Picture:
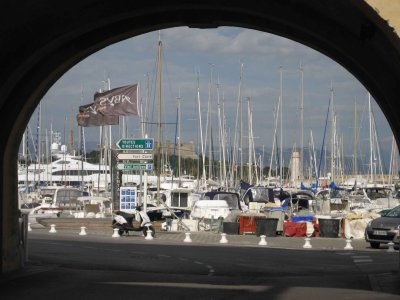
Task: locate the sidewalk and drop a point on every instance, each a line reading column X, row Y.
column 213, row 238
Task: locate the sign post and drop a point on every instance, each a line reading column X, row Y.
column 135, row 166
column 135, row 144
column 135, row 156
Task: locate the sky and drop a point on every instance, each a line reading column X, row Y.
column 213, row 57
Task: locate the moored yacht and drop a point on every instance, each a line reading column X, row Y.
column 68, row 170
column 65, row 169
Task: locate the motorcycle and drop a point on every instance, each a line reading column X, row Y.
column 124, row 222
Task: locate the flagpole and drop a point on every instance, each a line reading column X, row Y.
column 106, row 109
column 100, row 159
column 143, row 193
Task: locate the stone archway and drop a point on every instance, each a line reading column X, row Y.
column 41, row 41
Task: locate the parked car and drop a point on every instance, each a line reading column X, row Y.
column 384, row 229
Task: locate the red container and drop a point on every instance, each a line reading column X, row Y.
column 248, row 224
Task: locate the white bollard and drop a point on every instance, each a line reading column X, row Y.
column 83, row 231
column 148, row 235
column 262, row 242
column 29, row 227
column 53, row 228
column 391, row 247
column 115, row 234
column 348, row 245
column 307, row 244
column 187, row 238
column 223, row 239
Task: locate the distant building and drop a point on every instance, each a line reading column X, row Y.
column 186, row 150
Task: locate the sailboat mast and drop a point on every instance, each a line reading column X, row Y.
column 26, row 158
column 179, row 135
column 377, row 151
column 253, row 150
column 241, row 120
column 274, row 141
column 71, row 135
column 82, row 142
column 250, row 177
column 221, row 140
column 51, row 151
column 333, row 133
column 281, row 134
column 262, row 164
column 302, row 123
column 393, row 167
column 224, row 144
column 39, row 137
column 234, row 161
column 355, row 140
column 209, row 125
column 24, row 144
column 371, row 160
column 314, row 165
column 159, row 78
column 47, row 147
column 201, row 132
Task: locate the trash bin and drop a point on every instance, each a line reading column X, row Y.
column 329, row 227
column 278, row 213
column 266, row 226
column 230, row 227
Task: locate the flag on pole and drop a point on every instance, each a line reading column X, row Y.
column 121, row 101
column 89, row 117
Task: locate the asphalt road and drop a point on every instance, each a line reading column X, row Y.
column 65, row 265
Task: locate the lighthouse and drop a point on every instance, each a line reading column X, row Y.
column 295, row 168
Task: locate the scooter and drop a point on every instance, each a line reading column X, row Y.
column 124, row 222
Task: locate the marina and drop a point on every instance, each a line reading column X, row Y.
column 201, row 150
column 329, row 211
column 231, row 187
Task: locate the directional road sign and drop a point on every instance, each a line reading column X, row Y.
column 135, row 156
column 135, row 167
column 136, row 144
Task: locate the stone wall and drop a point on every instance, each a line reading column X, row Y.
column 389, row 10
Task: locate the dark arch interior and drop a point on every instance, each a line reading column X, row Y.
column 44, row 41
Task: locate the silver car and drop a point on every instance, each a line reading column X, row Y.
column 384, row 229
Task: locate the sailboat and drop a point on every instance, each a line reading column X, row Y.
column 374, row 195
